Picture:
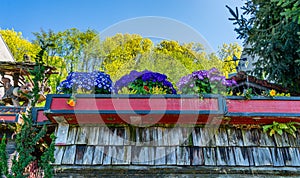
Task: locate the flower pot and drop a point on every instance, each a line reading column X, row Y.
column 11, row 114
column 262, row 110
column 134, row 109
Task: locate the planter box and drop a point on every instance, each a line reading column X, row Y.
column 10, row 114
column 134, row 109
column 38, row 116
column 262, row 110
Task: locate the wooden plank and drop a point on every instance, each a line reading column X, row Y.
column 69, row 155
column 58, row 154
column 241, row 155
column 121, row 155
column 93, row 135
column 173, row 136
column 160, row 136
column 292, row 140
column 209, row 156
column 225, row 156
column 80, row 149
column 183, row 156
column 186, row 133
column 171, row 155
column 165, row 138
column 61, row 131
column 160, row 156
column 250, row 154
column 282, row 140
column 204, row 137
column 104, row 135
column 143, row 155
column 113, row 154
column 117, row 136
column 125, row 104
column 197, row 156
column 277, row 157
column 197, row 141
column 221, row 137
column 145, row 134
column 262, row 156
column 297, row 140
column 127, row 136
column 208, row 134
column 251, row 137
column 291, row 156
column 98, row 155
column 107, row 155
column 235, row 137
column 266, row 140
column 82, row 135
column 154, row 136
column 88, row 155
column 71, row 135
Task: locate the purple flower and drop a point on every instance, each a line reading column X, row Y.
column 147, row 78
column 206, row 82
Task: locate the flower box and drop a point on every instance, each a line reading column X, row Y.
column 11, row 114
column 134, row 109
column 262, row 110
column 39, row 117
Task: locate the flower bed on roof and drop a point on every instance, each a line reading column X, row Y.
column 141, row 107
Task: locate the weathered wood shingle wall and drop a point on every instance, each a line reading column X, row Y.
column 90, row 146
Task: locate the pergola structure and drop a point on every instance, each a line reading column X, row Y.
column 17, row 74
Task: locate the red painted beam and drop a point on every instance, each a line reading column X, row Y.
column 121, row 104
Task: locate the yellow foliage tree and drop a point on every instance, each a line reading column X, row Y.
column 227, row 52
column 121, row 53
column 18, row 45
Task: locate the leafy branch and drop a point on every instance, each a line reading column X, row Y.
column 279, row 128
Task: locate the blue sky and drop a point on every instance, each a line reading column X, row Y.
column 209, row 18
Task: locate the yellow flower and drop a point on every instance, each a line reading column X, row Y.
column 71, row 102
column 272, row 93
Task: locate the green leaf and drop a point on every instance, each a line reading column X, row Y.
column 293, row 128
column 272, row 132
column 283, row 126
column 267, row 127
column 279, row 131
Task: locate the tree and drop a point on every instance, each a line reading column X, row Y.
column 122, row 52
column 28, row 135
column 71, row 51
column 18, row 45
column 69, row 45
column 291, row 9
column 227, row 53
column 271, row 29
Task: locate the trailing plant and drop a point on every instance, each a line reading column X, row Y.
column 273, row 93
column 248, row 93
column 279, row 128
